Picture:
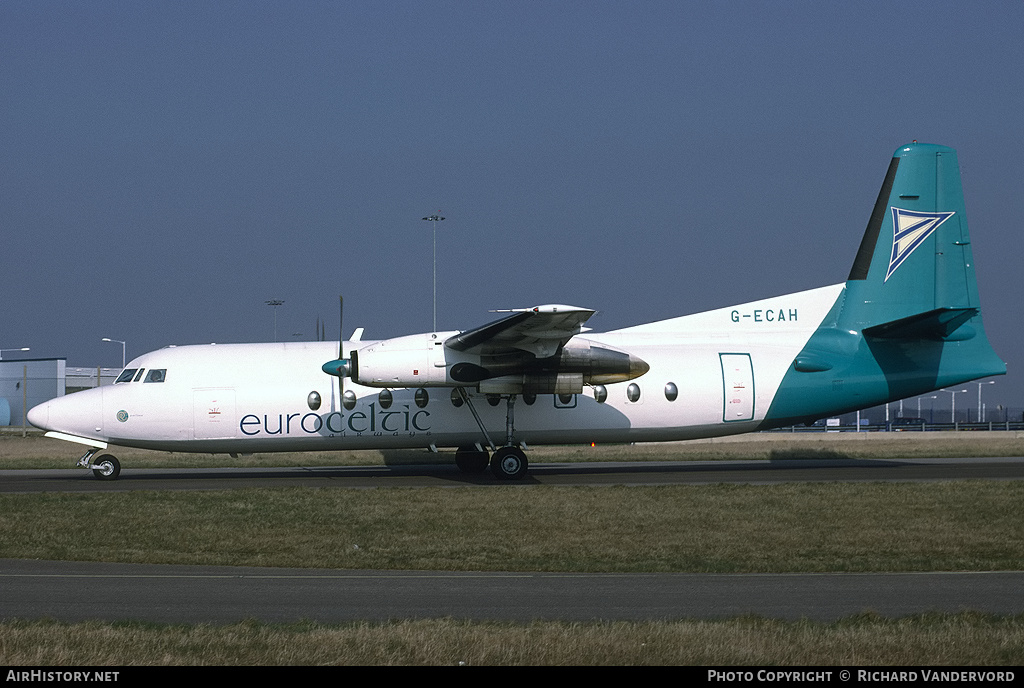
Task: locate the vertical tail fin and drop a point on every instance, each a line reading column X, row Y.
column 915, row 259
column 909, row 318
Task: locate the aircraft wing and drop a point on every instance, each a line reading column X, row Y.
column 541, row 330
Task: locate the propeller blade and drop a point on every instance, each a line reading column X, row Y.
column 341, row 367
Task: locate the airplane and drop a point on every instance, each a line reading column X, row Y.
column 906, row 321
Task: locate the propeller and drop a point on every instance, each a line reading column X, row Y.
column 342, row 367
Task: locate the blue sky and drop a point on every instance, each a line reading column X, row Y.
column 167, row 167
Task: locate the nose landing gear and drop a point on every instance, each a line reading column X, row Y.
column 106, row 467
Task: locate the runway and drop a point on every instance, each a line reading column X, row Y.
column 76, row 591
column 72, row 591
column 575, row 474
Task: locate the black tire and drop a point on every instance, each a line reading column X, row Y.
column 469, row 460
column 106, row 467
column 509, row 463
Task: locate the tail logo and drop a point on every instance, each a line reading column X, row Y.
column 910, row 229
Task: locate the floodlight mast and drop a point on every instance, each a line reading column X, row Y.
column 980, row 414
column 952, row 411
column 434, row 219
column 274, row 303
column 118, row 341
column 24, row 348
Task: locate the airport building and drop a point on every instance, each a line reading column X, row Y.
column 27, row 382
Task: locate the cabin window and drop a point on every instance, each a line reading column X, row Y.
column 421, row 397
column 600, row 394
column 313, row 401
column 633, row 392
column 126, row 375
column 456, row 398
column 671, row 391
column 348, row 400
column 385, row 398
column 529, row 398
column 157, row 375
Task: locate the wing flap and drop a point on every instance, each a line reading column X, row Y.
column 540, row 330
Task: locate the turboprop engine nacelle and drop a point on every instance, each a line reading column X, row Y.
column 422, row 360
column 417, row 360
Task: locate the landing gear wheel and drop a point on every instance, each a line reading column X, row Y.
column 509, row 463
column 106, row 467
column 470, row 460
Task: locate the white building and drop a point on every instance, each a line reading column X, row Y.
column 27, row 382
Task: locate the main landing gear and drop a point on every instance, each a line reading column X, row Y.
column 507, row 463
column 104, row 467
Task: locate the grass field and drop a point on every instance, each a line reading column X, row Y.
column 961, row 525
column 965, row 639
column 950, row 526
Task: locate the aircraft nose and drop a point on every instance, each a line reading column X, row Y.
column 77, row 414
column 39, row 415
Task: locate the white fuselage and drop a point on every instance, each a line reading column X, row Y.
column 711, row 374
column 906, row 321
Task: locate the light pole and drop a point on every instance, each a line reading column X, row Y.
column 953, row 410
column 24, row 348
column 990, row 382
column 117, row 341
column 275, row 303
column 433, row 220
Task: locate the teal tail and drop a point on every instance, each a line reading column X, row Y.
column 909, row 318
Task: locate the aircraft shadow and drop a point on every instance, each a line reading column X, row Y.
column 439, row 473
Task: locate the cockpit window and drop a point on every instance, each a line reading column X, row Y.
column 126, row 375
column 135, row 374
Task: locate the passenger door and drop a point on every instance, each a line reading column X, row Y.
column 738, row 387
column 213, row 414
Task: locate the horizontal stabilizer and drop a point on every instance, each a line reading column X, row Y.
column 941, row 323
